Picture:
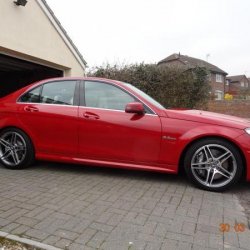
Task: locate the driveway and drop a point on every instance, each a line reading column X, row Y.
column 76, row 207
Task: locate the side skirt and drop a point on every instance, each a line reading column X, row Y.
column 158, row 168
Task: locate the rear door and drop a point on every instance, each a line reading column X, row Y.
column 50, row 112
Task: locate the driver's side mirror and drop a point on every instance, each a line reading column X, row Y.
column 135, row 107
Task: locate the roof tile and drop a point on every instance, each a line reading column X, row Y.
column 192, row 62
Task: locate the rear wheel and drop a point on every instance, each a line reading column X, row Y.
column 213, row 164
column 16, row 149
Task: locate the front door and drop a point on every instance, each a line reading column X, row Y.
column 107, row 132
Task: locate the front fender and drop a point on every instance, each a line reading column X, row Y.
column 177, row 135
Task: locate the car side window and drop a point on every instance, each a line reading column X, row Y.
column 59, row 92
column 107, row 96
column 32, row 96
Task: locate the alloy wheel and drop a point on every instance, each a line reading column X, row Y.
column 13, row 148
column 213, row 165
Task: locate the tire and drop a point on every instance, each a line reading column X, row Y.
column 213, row 164
column 16, row 149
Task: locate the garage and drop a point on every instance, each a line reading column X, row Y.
column 34, row 50
column 16, row 73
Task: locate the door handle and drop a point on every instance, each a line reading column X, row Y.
column 89, row 115
column 30, row 109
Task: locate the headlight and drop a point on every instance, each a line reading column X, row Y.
column 247, row 130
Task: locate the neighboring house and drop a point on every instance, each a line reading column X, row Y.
column 217, row 77
column 34, row 45
column 236, row 84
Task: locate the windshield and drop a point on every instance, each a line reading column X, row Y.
column 145, row 96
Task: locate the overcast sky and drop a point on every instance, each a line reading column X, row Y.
column 130, row 31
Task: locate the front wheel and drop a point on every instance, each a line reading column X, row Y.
column 16, row 149
column 213, row 164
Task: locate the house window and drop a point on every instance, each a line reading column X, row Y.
column 242, row 84
column 218, row 95
column 227, row 82
column 219, row 78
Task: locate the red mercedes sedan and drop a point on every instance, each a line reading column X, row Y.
column 103, row 122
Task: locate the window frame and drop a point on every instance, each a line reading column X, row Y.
column 219, row 92
column 28, row 91
column 148, row 110
column 219, row 78
column 76, row 97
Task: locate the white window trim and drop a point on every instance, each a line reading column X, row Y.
column 217, row 96
column 219, row 78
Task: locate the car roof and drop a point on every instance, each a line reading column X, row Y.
column 82, row 78
column 47, row 80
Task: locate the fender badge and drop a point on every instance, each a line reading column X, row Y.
column 169, row 138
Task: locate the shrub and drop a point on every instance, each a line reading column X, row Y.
column 228, row 97
column 172, row 87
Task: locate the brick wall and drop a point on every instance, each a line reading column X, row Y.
column 217, row 85
column 239, row 108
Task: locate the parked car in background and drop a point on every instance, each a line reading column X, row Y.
column 104, row 122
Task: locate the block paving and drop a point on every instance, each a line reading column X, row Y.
column 80, row 207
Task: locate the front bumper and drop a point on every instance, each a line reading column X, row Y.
column 243, row 142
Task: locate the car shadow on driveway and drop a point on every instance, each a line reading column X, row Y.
column 240, row 189
column 110, row 171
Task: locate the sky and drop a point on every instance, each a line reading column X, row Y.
column 134, row 31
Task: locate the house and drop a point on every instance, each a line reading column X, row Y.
column 236, row 84
column 34, row 45
column 217, row 77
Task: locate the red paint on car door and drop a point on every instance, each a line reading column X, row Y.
column 51, row 116
column 54, row 127
column 119, row 136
